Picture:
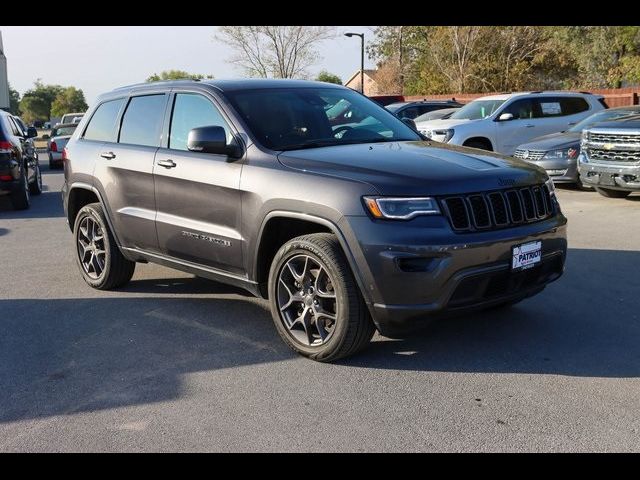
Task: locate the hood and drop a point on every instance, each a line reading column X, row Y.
column 416, row 168
column 442, row 123
column 631, row 121
column 552, row 141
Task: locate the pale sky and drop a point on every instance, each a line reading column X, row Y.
column 98, row 59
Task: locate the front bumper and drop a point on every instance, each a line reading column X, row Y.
column 561, row 170
column 419, row 270
column 615, row 177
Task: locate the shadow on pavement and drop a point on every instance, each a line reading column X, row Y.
column 62, row 356
column 46, row 205
column 3, row 231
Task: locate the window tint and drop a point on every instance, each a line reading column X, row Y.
column 191, row 110
column 142, row 121
column 411, row 112
column 14, row 127
column 102, row 123
column 521, row 109
column 573, row 105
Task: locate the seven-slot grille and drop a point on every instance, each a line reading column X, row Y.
column 529, row 154
column 628, row 138
column 498, row 209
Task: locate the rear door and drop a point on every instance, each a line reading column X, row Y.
column 197, row 194
column 125, row 170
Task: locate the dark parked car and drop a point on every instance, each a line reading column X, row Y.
column 412, row 110
column 558, row 153
column 344, row 230
column 19, row 173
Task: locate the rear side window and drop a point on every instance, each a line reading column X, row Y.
column 191, row 110
column 142, row 121
column 102, row 123
column 573, row 105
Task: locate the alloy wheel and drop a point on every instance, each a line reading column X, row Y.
column 307, row 300
column 91, row 248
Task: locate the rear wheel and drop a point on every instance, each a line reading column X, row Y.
column 315, row 303
column 99, row 259
column 609, row 193
column 20, row 198
column 35, row 187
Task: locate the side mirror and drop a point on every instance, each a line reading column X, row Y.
column 212, row 139
column 410, row 123
column 32, row 132
column 505, row 117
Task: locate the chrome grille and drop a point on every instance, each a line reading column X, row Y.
column 633, row 139
column 498, row 209
column 617, row 155
column 529, row 154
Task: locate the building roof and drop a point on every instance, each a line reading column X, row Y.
column 369, row 72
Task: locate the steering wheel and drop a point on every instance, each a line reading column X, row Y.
column 340, row 131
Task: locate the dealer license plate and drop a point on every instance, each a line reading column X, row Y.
column 526, row 255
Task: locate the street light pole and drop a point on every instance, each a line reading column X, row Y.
column 361, row 35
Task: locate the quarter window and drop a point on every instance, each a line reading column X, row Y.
column 191, row 110
column 573, row 105
column 102, row 123
column 142, row 121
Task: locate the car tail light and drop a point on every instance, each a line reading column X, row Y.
column 54, row 147
column 64, row 155
column 6, row 178
column 6, row 147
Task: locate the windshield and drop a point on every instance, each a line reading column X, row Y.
column 62, row 131
column 477, row 110
column 603, row 116
column 290, row 119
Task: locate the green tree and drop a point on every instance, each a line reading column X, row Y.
column 36, row 102
column 70, row 99
column 325, row 76
column 14, row 101
column 176, row 75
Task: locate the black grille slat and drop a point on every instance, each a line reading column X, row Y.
column 527, row 203
column 539, row 199
column 498, row 209
column 515, row 206
column 479, row 211
column 457, row 212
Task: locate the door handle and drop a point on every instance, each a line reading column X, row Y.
column 167, row 163
column 529, row 125
column 108, row 155
column 571, row 124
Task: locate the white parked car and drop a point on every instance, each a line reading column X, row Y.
column 502, row 122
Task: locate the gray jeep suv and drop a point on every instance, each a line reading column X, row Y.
column 345, row 228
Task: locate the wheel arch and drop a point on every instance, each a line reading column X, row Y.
column 479, row 138
column 81, row 194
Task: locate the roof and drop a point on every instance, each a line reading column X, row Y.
column 422, row 102
column 369, row 72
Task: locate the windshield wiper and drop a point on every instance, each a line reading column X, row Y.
column 313, row 144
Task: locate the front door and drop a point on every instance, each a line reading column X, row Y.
column 523, row 127
column 197, row 194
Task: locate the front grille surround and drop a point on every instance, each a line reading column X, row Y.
column 614, row 155
column 627, row 138
column 532, row 155
column 497, row 209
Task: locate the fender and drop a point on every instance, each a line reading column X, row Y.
column 332, row 227
column 86, row 186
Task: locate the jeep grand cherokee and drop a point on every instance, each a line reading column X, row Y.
column 344, row 228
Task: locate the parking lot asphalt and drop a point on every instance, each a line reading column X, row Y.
column 172, row 362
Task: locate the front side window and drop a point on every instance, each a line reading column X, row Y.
column 477, row 110
column 191, row 110
column 102, row 124
column 521, row 109
column 142, row 121
column 295, row 118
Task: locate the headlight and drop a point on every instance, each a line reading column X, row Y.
column 584, row 138
column 442, row 135
column 570, row 153
column 401, row 208
column 550, row 186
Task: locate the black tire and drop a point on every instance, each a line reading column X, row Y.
column 478, row 144
column 609, row 193
column 353, row 327
column 51, row 165
column 116, row 270
column 580, row 185
column 20, row 198
column 35, row 187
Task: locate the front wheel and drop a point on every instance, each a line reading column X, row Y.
column 99, row 259
column 609, row 193
column 315, row 303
